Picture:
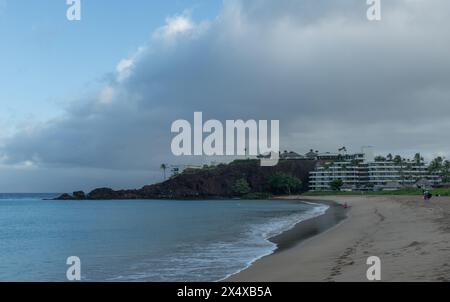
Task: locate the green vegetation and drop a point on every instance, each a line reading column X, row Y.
column 241, row 187
column 398, row 159
column 380, row 158
column 336, row 184
column 440, row 167
column 446, row 171
column 208, row 168
column 440, row 191
column 281, row 183
column 418, row 159
column 277, row 184
column 437, row 191
column 243, row 161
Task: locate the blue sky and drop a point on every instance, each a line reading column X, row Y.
column 47, row 61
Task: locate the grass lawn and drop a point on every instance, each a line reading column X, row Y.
column 442, row 192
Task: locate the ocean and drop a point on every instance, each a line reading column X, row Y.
column 139, row 240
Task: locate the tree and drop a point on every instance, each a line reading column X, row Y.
column 164, row 168
column 389, row 157
column 354, row 162
column 281, row 183
column 418, row 158
column 398, row 159
column 436, row 165
column 241, row 187
column 446, row 171
column 336, row 184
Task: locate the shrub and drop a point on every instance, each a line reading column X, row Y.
column 281, row 183
column 241, row 187
column 336, row 184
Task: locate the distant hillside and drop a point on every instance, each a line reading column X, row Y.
column 211, row 182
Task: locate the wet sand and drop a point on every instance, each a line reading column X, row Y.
column 311, row 227
column 411, row 238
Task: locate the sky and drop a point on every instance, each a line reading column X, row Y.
column 90, row 103
column 47, row 61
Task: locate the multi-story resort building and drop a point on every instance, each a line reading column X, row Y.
column 352, row 175
column 362, row 172
column 405, row 173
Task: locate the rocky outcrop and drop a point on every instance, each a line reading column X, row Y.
column 79, row 195
column 212, row 182
column 65, row 196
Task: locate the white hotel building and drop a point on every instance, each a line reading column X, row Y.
column 361, row 172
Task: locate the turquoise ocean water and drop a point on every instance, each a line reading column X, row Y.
column 139, row 240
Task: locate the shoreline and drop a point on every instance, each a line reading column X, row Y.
column 302, row 230
column 311, row 227
column 410, row 237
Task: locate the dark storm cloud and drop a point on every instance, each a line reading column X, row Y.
column 330, row 76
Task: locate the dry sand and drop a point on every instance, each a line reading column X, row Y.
column 411, row 238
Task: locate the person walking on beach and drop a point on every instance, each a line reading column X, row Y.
column 427, row 196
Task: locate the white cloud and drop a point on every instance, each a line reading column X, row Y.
column 124, row 69
column 106, row 95
column 331, row 77
column 175, row 26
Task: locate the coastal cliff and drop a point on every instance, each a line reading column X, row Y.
column 210, row 182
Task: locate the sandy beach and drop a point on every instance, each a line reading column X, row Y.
column 411, row 238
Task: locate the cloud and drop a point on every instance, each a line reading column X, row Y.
column 331, row 77
column 124, row 69
column 175, row 26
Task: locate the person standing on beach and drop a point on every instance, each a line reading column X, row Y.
column 427, row 196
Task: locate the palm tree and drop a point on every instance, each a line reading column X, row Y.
column 418, row 158
column 436, row 165
column 164, row 168
column 446, row 171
